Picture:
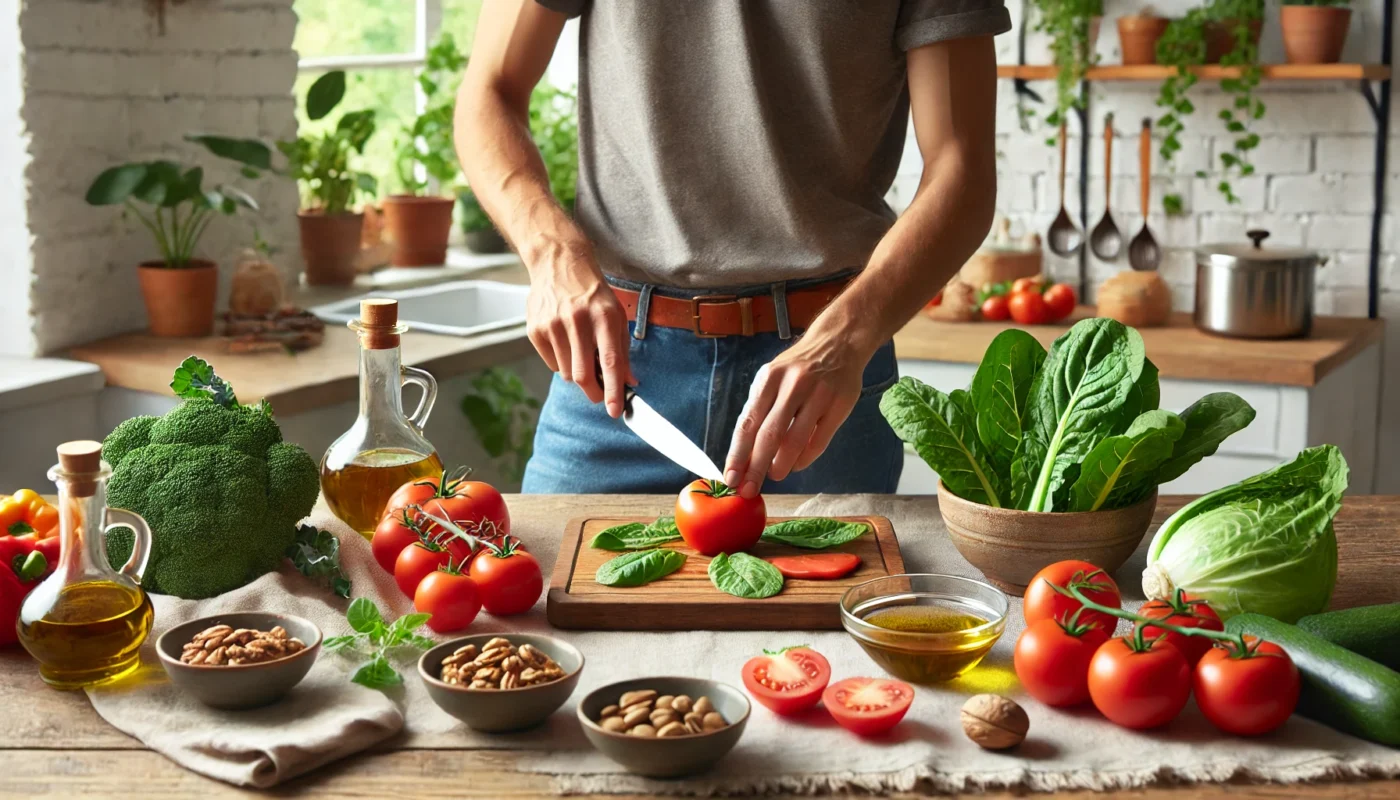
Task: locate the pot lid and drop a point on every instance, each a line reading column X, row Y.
column 1255, row 254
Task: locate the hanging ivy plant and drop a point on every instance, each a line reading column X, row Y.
column 1068, row 24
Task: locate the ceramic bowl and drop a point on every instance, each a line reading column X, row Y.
column 501, row 710
column 238, row 686
column 675, row 756
column 1010, row 546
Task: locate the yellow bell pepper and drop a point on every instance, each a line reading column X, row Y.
column 26, row 512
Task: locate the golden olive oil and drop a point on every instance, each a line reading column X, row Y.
column 91, row 633
column 358, row 491
column 964, row 642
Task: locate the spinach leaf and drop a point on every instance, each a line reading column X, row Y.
column 943, row 430
column 639, row 567
column 1025, row 468
column 1079, row 396
column 1000, row 390
column 1145, row 396
column 814, row 533
column 742, row 575
column 1209, row 421
column 637, row 536
column 1121, row 470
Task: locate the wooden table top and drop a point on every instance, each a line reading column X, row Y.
column 55, row 744
column 1178, row 349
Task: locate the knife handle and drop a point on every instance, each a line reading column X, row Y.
column 627, row 391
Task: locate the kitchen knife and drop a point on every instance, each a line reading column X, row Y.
column 666, row 438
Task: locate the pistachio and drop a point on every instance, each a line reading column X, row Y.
column 672, row 729
column 645, row 731
column 609, row 711
column 703, row 706
column 681, row 703
column 635, row 716
column 638, row 696
column 500, row 665
column 713, row 721
column 614, row 724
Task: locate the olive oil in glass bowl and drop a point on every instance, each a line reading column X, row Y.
column 925, row 628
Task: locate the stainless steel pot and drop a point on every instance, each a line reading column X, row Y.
column 1253, row 292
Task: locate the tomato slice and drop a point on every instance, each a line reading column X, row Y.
column 818, row 566
column 787, row 681
column 868, row 706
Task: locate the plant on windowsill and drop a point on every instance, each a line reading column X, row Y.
column 1073, row 27
column 554, row 126
column 170, row 200
column 1314, row 31
column 418, row 223
column 503, row 412
column 478, row 231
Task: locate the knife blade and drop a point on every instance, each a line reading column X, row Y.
column 666, row 438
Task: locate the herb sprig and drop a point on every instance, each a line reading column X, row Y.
column 378, row 637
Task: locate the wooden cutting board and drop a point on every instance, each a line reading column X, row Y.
column 686, row 600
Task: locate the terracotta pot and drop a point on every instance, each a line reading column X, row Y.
column 1220, row 38
column 1011, row 546
column 485, row 242
column 1314, row 34
column 180, row 302
column 1137, row 38
column 330, row 246
column 418, row 227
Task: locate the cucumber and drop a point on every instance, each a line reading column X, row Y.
column 1372, row 631
column 1341, row 689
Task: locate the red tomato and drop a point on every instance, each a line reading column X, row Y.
column 416, row 562
column 1043, row 602
column 450, row 597
column 509, row 578
column 817, row 566
column 1139, row 689
column 996, row 308
column 1247, row 694
column 472, row 503
column 787, row 681
column 1029, row 308
column 714, row 519
column 1034, row 284
column 868, row 706
column 1052, row 661
column 395, row 532
column 1182, row 612
column 936, row 301
column 1060, row 299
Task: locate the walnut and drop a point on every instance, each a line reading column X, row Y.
column 499, row 665
column 994, row 722
column 222, row 644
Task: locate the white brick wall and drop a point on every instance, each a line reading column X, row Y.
column 85, row 84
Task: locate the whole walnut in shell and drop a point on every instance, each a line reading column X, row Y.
column 994, row 722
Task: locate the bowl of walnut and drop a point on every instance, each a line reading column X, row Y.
column 239, row 660
column 497, row 683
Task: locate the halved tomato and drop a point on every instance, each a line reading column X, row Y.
column 787, row 681
column 868, row 706
column 817, row 566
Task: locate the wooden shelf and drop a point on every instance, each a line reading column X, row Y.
column 1158, row 72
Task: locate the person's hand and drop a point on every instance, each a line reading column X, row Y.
column 795, row 405
column 576, row 323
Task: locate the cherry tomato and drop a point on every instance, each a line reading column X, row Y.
column 1043, row 602
column 1052, row 661
column 1139, row 689
column 996, row 308
column 471, row 503
column 415, row 563
column 787, row 681
column 1029, row 308
column 450, row 597
column 1183, row 612
column 509, row 579
column 1247, row 694
column 1060, row 299
column 395, row 532
column 817, row 566
column 868, row 706
column 1034, row 284
column 714, row 519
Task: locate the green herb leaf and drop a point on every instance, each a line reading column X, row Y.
column 782, row 650
column 636, row 536
column 943, row 430
column 815, row 533
column 316, row 554
column 377, row 673
column 20, row 528
column 402, row 627
column 1209, row 421
column 743, row 575
column 1001, row 389
column 325, row 94
column 639, row 567
column 195, row 378
column 338, row 642
column 363, row 616
column 418, row 640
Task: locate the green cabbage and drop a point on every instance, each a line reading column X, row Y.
column 1264, row 545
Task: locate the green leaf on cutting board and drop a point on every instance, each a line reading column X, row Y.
column 639, row 567
column 814, row 533
column 743, row 575
column 637, row 536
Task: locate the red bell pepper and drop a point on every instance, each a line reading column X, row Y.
column 18, row 574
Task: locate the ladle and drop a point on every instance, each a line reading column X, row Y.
column 1065, row 237
column 1143, row 253
column 1105, row 240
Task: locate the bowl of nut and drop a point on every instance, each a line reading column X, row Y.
column 664, row 727
column 239, row 660
column 499, row 683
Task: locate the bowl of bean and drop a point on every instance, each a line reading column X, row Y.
column 664, row 727
column 499, row 683
column 239, row 660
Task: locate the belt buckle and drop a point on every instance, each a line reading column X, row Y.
column 695, row 303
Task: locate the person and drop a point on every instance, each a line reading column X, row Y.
column 734, row 156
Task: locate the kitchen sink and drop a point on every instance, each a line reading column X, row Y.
column 459, row 308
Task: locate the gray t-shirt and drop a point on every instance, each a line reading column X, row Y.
column 736, row 142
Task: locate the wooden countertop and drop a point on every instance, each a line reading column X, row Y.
column 1178, row 349
column 55, row 744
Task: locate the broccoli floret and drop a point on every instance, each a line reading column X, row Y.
column 134, row 433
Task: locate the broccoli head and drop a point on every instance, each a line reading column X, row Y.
column 220, row 489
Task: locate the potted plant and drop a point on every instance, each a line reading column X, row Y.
column 1073, row 27
column 178, row 288
column 1056, row 456
column 1314, row 31
column 418, row 223
column 478, row 231
column 554, row 127
column 1138, row 35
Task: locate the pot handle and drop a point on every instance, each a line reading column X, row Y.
column 1257, row 236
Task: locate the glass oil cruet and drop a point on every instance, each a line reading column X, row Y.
column 383, row 449
column 85, row 623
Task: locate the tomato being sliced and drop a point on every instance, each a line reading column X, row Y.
column 817, row 566
column 868, row 706
column 787, row 681
column 714, row 519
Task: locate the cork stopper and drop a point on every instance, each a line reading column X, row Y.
column 81, row 461
column 378, row 324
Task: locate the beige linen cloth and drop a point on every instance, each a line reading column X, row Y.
column 1065, row 749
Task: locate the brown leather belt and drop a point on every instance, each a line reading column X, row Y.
column 711, row 316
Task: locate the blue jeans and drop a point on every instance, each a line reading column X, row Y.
column 700, row 385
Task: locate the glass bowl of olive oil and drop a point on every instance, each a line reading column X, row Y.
column 925, row 628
